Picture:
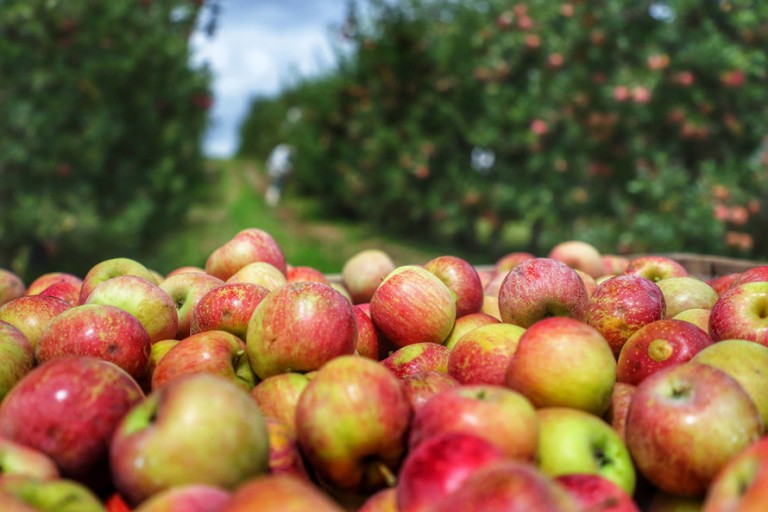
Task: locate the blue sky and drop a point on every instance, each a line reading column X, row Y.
column 258, row 47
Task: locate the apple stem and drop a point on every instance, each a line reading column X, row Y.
column 389, row 477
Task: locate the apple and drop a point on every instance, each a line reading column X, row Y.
column 364, row 271
column 299, row 327
column 539, row 288
column 508, row 486
column 697, row 316
column 684, row 424
column 185, row 290
column 621, row 305
column 143, row 299
column 305, row 273
column 655, row 267
column 616, row 415
column 462, row 279
column 483, row 354
column 657, row 345
column 579, row 255
column 216, row 352
column 572, row 441
column 597, row 493
column 63, row 285
column 17, row 358
column 32, row 314
column 96, row 330
column 560, row 361
column 19, row 459
column 228, row 307
column 156, row 353
column 280, row 493
column 417, row 358
column 438, row 466
column 589, row 282
column 383, row 500
column 420, row 387
column 491, row 307
column 157, row 444
column 742, row 484
column 260, row 273
column 412, row 305
column 493, row 286
column 751, row 275
column 368, row 344
column 29, row 494
column 11, row 286
column 351, row 424
column 278, row 397
column 108, row 269
column 686, row 292
column 745, row 361
column 188, row 497
column 247, row 246
column 614, row 264
column 38, row 412
column 500, row 415
column 740, row 313
column 465, row 324
column 722, row 283
column 510, row 260
column 185, row 269
column 284, row 454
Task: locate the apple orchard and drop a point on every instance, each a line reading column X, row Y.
column 569, row 381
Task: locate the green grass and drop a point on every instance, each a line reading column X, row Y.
column 306, row 237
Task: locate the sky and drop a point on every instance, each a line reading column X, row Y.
column 258, row 46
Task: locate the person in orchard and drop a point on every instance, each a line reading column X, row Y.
column 279, row 167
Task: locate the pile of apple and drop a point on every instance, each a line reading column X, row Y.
column 578, row 381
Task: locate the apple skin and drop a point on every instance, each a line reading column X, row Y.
column 261, row 273
column 156, row 353
column 280, row 493
column 614, row 264
column 143, row 299
column 462, row 279
column 247, row 246
column 438, row 466
column 368, row 343
column 483, row 354
column 305, row 273
column 574, row 441
column 157, row 443
column 29, row 494
column 722, row 283
column 351, row 424
column 685, row 422
column 364, row 271
column 465, row 324
column 742, row 484
column 579, row 255
column 621, row 305
column 597, row 493
column 541, row 287
column 185, row 269
column 500, row 415
column 185, row 290
column 108, row 269
column 19, row 459
column 745, row 361
column 697, row 316
column 278, row 397
column 508, row 486
column 11, row 286
column 752, row 275
column 510, row 260
column 189, row 498
column 101, row 331
column 560, row 361
column 589, row 282
column 300, row 327
column 412, row 305
column 228, row 307
column 32, row 314
column 417, row 358
column 681, row 293
column 37, row 412
column 616, row 415
column 383, row 500
column 420, row 387
column 655, row 267
column 17, row 358
column 63, row 285
column 284, row 454
column 740, row 313
column 657, row 345
column 216, row 352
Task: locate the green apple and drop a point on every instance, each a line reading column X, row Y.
column 113, row 267
column 278, row 397
column 19, row 459
column 686, row 292
column 483, row 354
column 46, row 495
column 574, row 441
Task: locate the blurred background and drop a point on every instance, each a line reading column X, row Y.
column 142, row 128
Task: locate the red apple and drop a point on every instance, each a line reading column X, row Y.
column 300, row 327
column 17, row 358
column 185, row 269
column 280, row 493
column 185, row 290
column 63, row 285
column 597, row 493
column 114, row 267
column 616, row 415
column 11, row 286
column 539, row 288
column 228, row 307
column 261, row 273
column 483, row 354
column 742, row 484
column 368, row 343
column 284, row 454
column 657, row 345
column 579, row 255
column 188, row 497
column 278, row 396
column 752, row 275
column 305, row 273
column 740, row 313
column 420, row 387
column 417, row 358
column 621, row 305
column 465, row 324
column 721, row 283
column 364, row 271
column 684, row 424
column 247, row 246
column 655, row 267
column 511, row 260
column 32, row 314
column 462, row 279
column 614, row 264
column 101, row 331
column 412, row 305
